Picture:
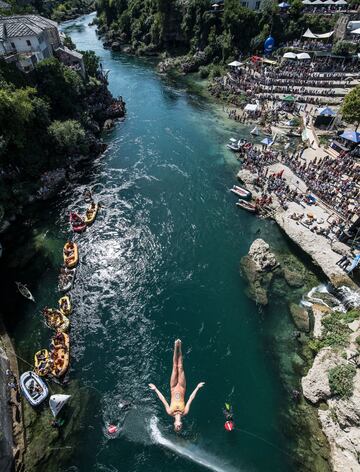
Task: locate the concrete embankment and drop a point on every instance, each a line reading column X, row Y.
column 12, row 443
column 316, row 246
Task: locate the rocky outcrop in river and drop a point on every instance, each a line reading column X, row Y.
column 339, row 410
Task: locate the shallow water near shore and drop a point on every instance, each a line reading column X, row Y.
column 162, row 262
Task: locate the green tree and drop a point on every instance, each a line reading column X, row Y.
column 68, row 136
column 351, row 107
column 62, row 86
column 91, row 62
column 344, row 48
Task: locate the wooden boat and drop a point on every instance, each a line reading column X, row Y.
column 25, row 292
column 33, row 388
column 240, row 192
column 65, row 305
column 71, row 255
column 42, row 362
column 60, row 348
column 66, row 279
column 246, row 206
column 91, row 213
column 77, row 223
column 56, row 320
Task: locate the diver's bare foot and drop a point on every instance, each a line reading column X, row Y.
column 177, row 344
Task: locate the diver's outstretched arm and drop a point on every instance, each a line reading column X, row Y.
column 161, row 398
column 191, row 398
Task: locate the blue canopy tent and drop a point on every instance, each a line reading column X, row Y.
column 354, row 264
column 327, row 111
column 267, row 141
column 352, row 136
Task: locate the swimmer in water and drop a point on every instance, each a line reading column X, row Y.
column 177, row 407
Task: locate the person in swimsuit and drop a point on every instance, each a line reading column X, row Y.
column 177, row 407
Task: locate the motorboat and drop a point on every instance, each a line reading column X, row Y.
column 236, row 145
column 33, row 388
column 25, row 292
column 240, row 192
column 246, row 206
column 66, row 279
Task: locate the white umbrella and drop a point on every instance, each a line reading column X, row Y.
column 307, row 2
column 56, row 402
column 303, row 55
column 355, row 31
column 234, row 64
column 290, row 55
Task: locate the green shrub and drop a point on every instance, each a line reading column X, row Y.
column 351, row 315
column 341, row 380
column 204, row 72
column 336, row 332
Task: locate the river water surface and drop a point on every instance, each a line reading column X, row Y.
column 162, row 262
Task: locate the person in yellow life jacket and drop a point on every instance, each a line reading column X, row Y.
column 177, row 408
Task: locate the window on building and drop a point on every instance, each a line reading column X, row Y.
column 13, row 45
column 257, row 5
column 28, row 42
column 245, row 4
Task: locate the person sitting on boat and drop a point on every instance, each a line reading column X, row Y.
column 177, row 408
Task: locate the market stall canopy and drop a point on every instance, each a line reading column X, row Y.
column 341, row 2
column 284, row 5
column 235, row 64
column 290, row 55
column 251, row 107
column 309, row 34
column 303, row 55
column 288, row 98
column 307, row 2
column 267, row 141
column 355, row 31
column 349, row 135
column 326, row 111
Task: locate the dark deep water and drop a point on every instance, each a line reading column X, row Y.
column 162, row 262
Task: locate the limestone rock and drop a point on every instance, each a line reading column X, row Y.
column 300, row 317
column 293, row 278
column 315, row 384
column 116, row 46
column 261, row 255
column 258, row 267
column 341, row 425
column 318, row 312
column 109, row 124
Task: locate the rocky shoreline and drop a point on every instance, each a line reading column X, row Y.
column 330, row 342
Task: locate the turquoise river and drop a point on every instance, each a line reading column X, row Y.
column 162, row 262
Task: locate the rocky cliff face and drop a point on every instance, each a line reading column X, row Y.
column 6, row 433
column 339, row 416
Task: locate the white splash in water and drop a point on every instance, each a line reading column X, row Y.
column 188, row 450
column 350, row 298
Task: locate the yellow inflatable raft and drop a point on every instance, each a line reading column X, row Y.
column 71, row 255
column 56, row 320
column 65, row 305
column 91, row 213
column 60, row 345
column 42, row 362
